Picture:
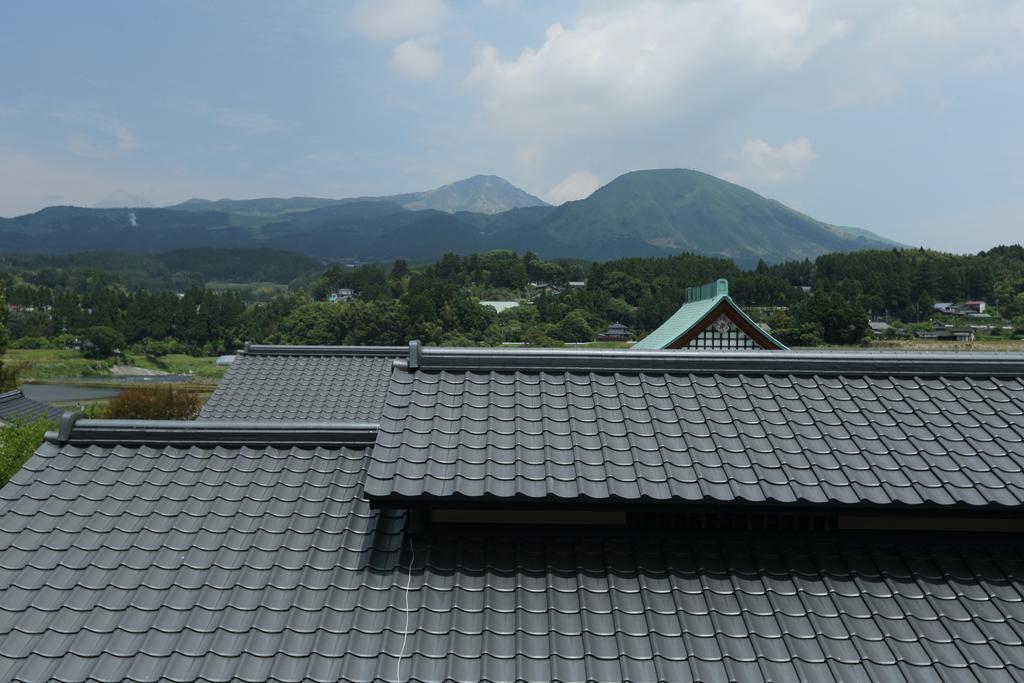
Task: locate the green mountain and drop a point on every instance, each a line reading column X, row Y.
column 668, row 211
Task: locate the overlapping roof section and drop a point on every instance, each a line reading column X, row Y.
column 138, row 552
column 859, row 429
column 14, row 404
column 149, row 551
column 304, row 383
column 245, row 550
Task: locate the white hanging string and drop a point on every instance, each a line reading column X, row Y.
column 405, row 636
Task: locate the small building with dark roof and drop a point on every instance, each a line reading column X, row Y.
column 616, row 332
column 965, row 335
column 709, row 320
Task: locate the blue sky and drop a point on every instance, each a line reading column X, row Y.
column 901, row 117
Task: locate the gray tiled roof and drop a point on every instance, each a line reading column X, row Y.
column 178, row 562
column 878, row 430
column 13, row 404
column 304, row 383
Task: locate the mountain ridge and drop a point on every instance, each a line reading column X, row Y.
column 677, row 210
column 479, row 194
column 655, row 212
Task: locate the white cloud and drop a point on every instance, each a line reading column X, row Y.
column 389, row 20
column 576, row 185
column 761, row 162
column 113, row 140
column 417, row 60
column 634, row 60
column 666, row 64
column 250, row 123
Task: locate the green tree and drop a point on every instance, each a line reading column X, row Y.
column 101, row 341
column 839, row 320
column 575, row 328
column 399, row 269
column 317, row 322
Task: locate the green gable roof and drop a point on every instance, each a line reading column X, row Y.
column 700, row 302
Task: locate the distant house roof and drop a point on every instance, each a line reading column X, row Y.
column 705, row 305
column 14, row 404
column 304, row 383
column 818, row 524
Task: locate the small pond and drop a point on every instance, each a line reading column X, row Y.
column 72, row 392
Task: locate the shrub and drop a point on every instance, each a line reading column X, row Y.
column 154, row 403
column 31, row 343
column 19, row 439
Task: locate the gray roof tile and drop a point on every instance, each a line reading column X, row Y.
column 14, row 404
column 304, row 383
column 180, row 562
column 772, row 437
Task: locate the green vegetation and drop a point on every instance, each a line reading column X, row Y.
column 45, row 364
column 8, row 378
column 19, row 439
column 178, row 270
column 154, row 403
column 806, row 303
column 202, row 369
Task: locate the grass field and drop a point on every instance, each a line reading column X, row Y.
column 986, row 344
column 201, row 368
column 42, row 364
column 47, row 364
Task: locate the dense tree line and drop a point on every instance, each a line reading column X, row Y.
column 826, row 301
column 7, row 380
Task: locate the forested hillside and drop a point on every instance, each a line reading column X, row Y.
column 828, row 300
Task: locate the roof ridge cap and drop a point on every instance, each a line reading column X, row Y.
column 76, row 430
column 321, row 350
column 726, row 362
